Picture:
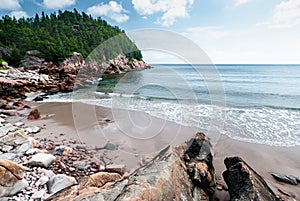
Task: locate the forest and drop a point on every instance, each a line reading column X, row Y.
column 57, row 35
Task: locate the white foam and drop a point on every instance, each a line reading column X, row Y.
column 275, row 127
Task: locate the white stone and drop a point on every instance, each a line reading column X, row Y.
column 41, row 160
column 32, row 129
column 13, row 189
column 59, row 182
column 43, row 180
column 18, row 124
column 38, row 195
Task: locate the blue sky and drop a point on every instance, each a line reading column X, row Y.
column 229, row 31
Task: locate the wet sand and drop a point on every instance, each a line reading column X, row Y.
column 139, row 135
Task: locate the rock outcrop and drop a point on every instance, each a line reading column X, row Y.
column 244, row 184
column 35, row 74
column 163, row 178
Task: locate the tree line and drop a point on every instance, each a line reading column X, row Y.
column 57, row 35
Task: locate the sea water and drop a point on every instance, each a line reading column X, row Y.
column 252, row 103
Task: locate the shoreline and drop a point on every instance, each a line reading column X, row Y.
column 264, row 159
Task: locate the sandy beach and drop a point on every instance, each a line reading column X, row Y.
column 94, row 126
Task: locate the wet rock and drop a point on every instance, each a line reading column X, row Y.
column 116, row 168
column 38, row 98
column 289, row 179
column 111, row 146
column 11, row 178
column 244, row 183
column 41, row 160
column 59, row 182
column 80, row 147
column 34, row 115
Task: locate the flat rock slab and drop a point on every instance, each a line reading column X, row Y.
column 41, row 160
column 59, row 182
column 289, row 179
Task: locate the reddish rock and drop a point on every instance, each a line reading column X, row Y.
column 101, row 178
column 34, row 115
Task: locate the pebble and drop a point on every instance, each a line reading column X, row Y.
column 38, row 194
column 42, row 181
column 32, row 129
column 18, row 124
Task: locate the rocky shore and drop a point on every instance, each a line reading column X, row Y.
column 34, row 168
column 36, row 75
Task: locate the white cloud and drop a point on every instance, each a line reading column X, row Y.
column 286, row 14
column 10, row 5
column 171, row 9
column 240, row 2
column 112, row 10
column 18, row 14
column 58, row 4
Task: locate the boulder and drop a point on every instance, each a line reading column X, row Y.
column 199, row 162
column 60, row 182
column 41, row 160
column 244, row 183
column 34, row 115
column 11, row 178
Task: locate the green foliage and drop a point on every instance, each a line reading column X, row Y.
column 58, row 35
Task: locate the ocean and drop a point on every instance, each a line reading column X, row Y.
column 251, row 103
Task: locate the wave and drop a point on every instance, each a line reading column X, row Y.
column 275, row 126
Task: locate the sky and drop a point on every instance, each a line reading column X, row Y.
column 228, row 31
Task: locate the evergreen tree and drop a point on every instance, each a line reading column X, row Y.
column 57, row 36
